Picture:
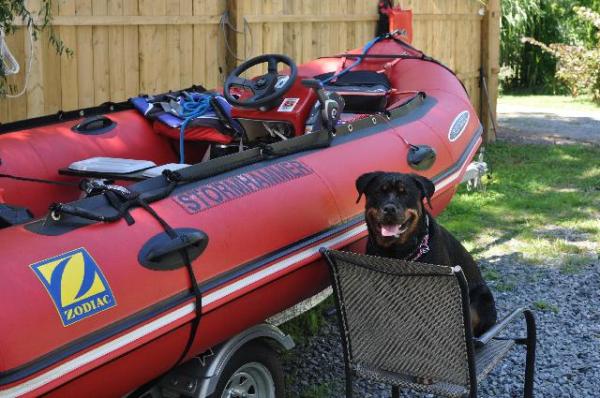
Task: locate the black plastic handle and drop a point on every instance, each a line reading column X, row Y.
column 164, row 253
column 312, row 83
column 421, row 157
column 93, row 125
column 318, row 87
column 181, row 242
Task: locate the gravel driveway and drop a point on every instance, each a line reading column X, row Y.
column 545, row 125
column 568, row 353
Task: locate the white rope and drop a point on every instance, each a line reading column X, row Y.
column 9, row 63
column 5, row 54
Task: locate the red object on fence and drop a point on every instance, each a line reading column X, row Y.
column 399, row 19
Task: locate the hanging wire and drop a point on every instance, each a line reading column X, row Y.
column 225, row 23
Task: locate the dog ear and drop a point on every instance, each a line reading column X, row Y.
column 362, row 182
column 426, row 187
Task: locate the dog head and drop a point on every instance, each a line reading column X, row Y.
column 394, row 204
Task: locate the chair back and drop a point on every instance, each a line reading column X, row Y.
column 401, row 317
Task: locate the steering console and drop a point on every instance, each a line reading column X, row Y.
column 268, row 89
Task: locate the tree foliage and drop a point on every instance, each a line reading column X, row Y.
column 36, row 21
column 578, row 65
column 527, row 66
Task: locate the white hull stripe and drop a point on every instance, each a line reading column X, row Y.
column 440, row 186
column 176, row 315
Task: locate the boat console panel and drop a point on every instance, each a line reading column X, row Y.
column 292, row 112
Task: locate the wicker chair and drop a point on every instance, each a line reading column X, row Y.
column 407, row 324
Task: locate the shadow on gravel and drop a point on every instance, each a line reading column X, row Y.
column 544, row 125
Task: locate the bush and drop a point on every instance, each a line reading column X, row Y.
column 578, row 66
column 526, row 66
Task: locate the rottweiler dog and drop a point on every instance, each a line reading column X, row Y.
column 400, row 227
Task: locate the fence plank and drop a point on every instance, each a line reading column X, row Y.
column 116, row 51
column 186, row 47
column 35, row 92
column 131, row 67
column 100, row 55
column 85, row 57
column 490, row 48
column 68, row 64
column 199, row 72
column 173, row 61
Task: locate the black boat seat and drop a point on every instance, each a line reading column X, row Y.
column 363, row 91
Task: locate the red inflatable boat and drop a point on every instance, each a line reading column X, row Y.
column 100, row 293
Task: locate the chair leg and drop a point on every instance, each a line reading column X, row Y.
column 530, row 358
column 348, row 383
column 395, row 392
column 473, row 392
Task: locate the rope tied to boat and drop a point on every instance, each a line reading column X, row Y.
column 39, row 180
column 122, row 200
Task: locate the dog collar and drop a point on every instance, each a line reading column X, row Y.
column 423, row 246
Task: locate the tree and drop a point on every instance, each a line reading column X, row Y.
column 578, row 65
column 526, row 66
column 35, row 21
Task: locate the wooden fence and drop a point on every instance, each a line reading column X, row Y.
column 125, row 47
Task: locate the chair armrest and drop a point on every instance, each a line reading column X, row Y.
column 498, row 327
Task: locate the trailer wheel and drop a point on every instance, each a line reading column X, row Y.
column 254, row 371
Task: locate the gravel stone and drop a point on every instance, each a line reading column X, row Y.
column 567, row 311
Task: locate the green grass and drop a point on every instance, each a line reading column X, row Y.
column 542, row 305
column 551, row 102
column 318, row 391
column 308, row 324
column 542, row 204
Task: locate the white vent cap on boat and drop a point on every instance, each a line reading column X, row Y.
column 111, row 165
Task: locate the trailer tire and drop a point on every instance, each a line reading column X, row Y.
column 254, row 368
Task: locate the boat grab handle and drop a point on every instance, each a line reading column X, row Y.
column 181, row 242
column 164, row 253
column 94, row 125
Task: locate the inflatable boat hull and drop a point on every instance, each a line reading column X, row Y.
column 117, row 324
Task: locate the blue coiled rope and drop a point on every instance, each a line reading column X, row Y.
column 192, row 106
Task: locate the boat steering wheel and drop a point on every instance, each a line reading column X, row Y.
column 268, row 89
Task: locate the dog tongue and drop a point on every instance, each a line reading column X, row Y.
column 390, row 230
